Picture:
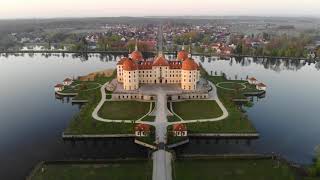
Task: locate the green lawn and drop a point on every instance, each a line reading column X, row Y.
column 149, row 118
column 78, row 86
column 173, row 118
column 83, row 123
column 124, row 110
column 134, row 170
column 232, row 85
column 220, row 169
column 191, row 110
column 236, row 122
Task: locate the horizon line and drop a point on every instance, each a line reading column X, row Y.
column 165, row 16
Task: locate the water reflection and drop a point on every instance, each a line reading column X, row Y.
column 276, row 65
column 32, row 118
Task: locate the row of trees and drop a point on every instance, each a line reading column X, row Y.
column 314, row 170
column 281, row 46
column 194, row 36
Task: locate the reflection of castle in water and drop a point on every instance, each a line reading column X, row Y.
column 268, row 63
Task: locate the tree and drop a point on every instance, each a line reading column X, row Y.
column 239, row 49
column 318, row 52
column 6, row 43
column 102, row 43
column 314, row 170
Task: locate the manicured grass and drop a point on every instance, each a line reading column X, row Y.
column 232, row 85
column 83, row 123
column 232, row 170
column 124, row 110
column 149, row 118
column 173, row 118
column 133, row 170
column 192, row 110
column 78, row 86
column 236, row 122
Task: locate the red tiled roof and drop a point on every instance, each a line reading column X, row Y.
column 121, row 61
column 129, row 65
column 160, row 61
column 67, row 80
column 145, row 65
column 252, row 79
column 189, row 64
column 261, row 85
column 142, row 127
column 136, row 56
column 58, row 85
column 179, row 127
column 175, row 64
column 182, row 55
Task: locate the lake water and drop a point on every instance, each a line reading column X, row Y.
column 32, row 120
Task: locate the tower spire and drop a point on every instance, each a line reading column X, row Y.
column 136, row 46
column 190, row 51
column 182, row 46
column 160, row 40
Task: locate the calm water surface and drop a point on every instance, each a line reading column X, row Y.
column 32, row 120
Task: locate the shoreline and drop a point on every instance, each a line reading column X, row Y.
column 154, row 52
column 67, row 136
column 298, row 168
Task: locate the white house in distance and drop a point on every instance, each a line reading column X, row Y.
column 142, row 130
column 58, row 87
column 67, row 82
column 180, row 130
column 252, row 80
column 261, row 87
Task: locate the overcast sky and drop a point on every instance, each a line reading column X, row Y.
column 101, row 8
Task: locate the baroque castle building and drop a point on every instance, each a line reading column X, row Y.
column 135, row 70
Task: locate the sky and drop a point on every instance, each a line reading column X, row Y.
column 13, row 9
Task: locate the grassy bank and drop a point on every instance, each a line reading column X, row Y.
column 133, row 170
column 232, row 170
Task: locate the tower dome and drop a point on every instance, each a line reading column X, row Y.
column 129, row 65
column 136, row 55
column 183, row 54
column 189, row 64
